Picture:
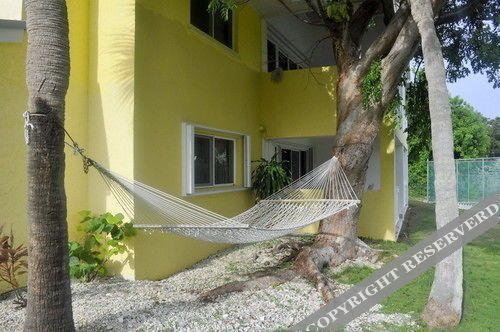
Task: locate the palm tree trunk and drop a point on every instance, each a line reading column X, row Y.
column 47, row 76
column 444, row 307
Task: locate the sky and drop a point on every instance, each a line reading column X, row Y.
column 476, row 91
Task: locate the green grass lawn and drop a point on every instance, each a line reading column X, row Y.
column 481, row 265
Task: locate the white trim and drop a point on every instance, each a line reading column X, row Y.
column 187, row 161
column 218, row 191
column 247, row 160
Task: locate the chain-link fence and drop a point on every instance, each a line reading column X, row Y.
column 476, row 179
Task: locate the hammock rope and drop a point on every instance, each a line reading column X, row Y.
column 317, row 195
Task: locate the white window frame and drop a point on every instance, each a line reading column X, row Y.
column 188, row 183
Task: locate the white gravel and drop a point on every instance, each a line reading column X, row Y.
column 119, row 305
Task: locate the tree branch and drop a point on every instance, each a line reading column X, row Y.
column 402, row 51
column 388, row 8
column 383, row 44
column 361, row 18
column 459, row 13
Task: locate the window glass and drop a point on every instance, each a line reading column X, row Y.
column 224, row 161
column 203, row 160
column 295, row 165
column 283, row 61
column 223, row 30
column 200, row 17
column 271, row 56
column 304, row 161
column 292, row 65
column 286, row 158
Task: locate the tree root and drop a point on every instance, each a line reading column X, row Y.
column 326, row 251
column 256, row 283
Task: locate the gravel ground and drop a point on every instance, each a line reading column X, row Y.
column 119, row 305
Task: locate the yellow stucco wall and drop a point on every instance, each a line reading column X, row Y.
column 302, row 104
column 138, row 70
column 182, row 75
column 111, row 104
column 13, row 96
column 377, row 211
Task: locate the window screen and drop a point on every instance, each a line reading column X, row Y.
column 203, row 160
column 224, row 161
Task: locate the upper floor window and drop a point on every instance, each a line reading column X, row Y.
column 212, row 23
column 277, row 57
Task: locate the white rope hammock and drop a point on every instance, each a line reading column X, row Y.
column 317, row 195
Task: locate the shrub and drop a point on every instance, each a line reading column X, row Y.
column 104, row 235
column 269, row 177
column 13, row 264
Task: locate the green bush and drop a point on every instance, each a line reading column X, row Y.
column 103, row 239
column 269, row 177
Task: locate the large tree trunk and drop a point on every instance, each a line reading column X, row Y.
column 337, row 239
column 47, row 76
column 444, row 307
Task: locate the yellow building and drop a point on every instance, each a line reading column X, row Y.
column 157, row 84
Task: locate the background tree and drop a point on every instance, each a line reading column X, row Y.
column 47, row 76
column 495, row 137
column 444, row 308
column 362, row 98
column 471, row 132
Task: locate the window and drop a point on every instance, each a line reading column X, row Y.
column 271, row 56
column 297, row 162
column 213, row 161
column 212, row 23
column 283, row 61
column 277, row 57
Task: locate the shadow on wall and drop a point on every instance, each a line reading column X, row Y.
column 111, row 106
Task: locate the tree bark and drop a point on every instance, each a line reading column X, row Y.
column 337, row 239
column 47, row 76
column 444, row 307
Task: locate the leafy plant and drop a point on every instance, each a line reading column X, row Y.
column 13, row 264
column 269, row 177
column 222, row 7
column 104, row 235
column 338, row 10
